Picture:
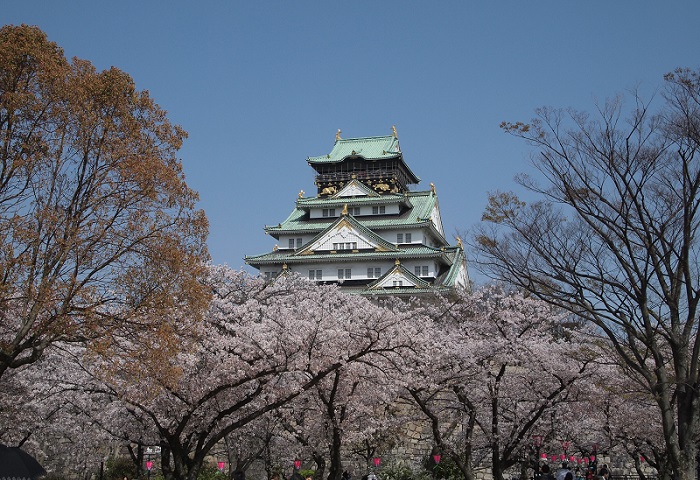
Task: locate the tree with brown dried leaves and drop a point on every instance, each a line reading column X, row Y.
column 99, row 231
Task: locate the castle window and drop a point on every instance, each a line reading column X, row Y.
column 398, row 283
column 344, row 274
column 378, row 210
column 299, row 242
column 329, row 212
column 399, row 238
column 374, row 272
column 421, row 271
column 315, row 274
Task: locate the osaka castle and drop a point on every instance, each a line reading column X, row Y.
column 364, row 228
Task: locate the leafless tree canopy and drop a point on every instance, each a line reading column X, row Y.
column 612, row 237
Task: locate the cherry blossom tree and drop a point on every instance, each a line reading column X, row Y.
column 269, row 378
column 505, row 363
column 352, row 409
column 629, row 428
column 261, row 345
column 50, row 412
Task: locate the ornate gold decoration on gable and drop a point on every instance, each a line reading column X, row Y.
column 345, row 210
column 341, row 224
column 329, row 190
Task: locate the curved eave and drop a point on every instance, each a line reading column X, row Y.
column 329, row 160
column 389, row 199
column 280, row 257
column 369, row 148
column 315, row 228
column 417, row 216
column 457, row 262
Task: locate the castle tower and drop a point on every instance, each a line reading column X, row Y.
column 364, row 229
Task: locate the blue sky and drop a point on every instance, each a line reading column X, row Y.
column 260, row 86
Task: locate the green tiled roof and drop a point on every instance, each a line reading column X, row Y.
column 331, row 202
column 457, row 261
column 370, row 148
column 298, row 222
column 284, row 256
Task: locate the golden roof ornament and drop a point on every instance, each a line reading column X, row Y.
column 274, row 249
column 459, row 242
column 393, row 131
column 337, row 135
column 432, row 188
column 345, row 210
column 397, row 262
column 301, row 193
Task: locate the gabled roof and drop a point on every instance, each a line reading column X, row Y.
column 355, row 188
column 445, row 283
column 352, row 228
column 370, row 148
column 398, row 273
